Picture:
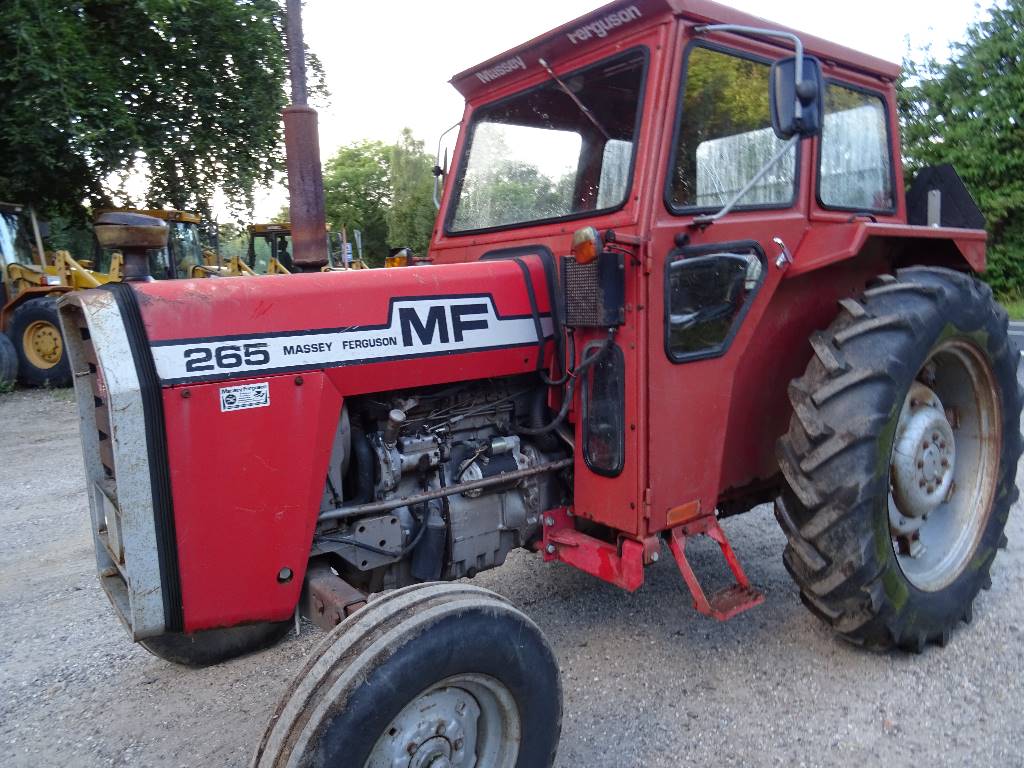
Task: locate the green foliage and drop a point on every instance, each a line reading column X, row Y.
column 969, row 112
column 410, row 217
column 386, row 191
column 187, row 91
column 1015, row 306
column 357, row 192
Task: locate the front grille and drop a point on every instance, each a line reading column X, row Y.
column 100, row 398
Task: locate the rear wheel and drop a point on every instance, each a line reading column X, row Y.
column 901, row 459
column 35, row 332
column 439, row 675
column 8, row 362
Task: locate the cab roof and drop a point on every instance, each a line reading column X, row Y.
column 283, row 227
column 625, row 16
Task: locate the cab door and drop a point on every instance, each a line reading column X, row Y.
column 709, row 361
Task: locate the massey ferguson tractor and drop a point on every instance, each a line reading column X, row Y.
column 675, row 274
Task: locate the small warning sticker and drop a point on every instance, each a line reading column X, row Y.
column 244, row 396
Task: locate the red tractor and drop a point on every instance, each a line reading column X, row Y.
column 675, row 275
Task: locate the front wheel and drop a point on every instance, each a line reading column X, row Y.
column 901, row 459
column 439, row 675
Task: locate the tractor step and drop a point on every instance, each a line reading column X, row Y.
column 727, row 602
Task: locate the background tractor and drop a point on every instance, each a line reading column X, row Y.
column 269, row 251
column 675, row 275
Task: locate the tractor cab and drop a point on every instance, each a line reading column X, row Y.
column 20, row 247
column 182, row 255
column 270, row 249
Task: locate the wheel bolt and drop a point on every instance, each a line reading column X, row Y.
column 411, row 748
column 458, row 744
column 920, row 465
column 935, row 437
column 945, row 462
column 440, row 729
column 931, row 489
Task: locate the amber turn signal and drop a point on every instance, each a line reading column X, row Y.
column 586, row 244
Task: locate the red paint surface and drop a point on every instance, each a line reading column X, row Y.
column 246, row 487
column 696, row 431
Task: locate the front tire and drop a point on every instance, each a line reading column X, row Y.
column 901, row 458
column 35, row 332
column 8, row 362
column 432, row 674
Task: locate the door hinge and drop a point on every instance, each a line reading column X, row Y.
column 648, row 265
column 648, row 501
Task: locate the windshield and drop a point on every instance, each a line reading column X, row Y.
column 270, row 245
column 15, row 238
column 186, row 250
column 537, row 156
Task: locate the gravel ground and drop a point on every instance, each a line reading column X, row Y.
column 647, row 682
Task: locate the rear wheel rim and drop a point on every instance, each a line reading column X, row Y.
column 463, row 721
column 42, row 344
column 944, row 465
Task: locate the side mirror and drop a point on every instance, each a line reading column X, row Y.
column 796, row 106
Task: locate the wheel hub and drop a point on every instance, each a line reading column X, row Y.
column 437, row 730
column 42, row 344
column 944, row 464
column 924, row 458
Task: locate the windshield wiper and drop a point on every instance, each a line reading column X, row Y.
column 582, row 107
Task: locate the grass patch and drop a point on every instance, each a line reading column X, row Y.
column 1014, row 305
column 6, row 387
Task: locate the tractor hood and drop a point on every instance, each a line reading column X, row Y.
column 373, row 329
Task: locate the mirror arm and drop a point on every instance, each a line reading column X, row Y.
column 798, row 46
column 711, row 218
column 437, row 160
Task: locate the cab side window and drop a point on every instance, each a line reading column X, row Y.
column 855, row 166
column 724, row 136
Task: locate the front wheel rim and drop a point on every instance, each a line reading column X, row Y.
column 42, row 344
column 463, row 721
column 944, row 465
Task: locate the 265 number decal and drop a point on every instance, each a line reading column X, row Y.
column 226, row 357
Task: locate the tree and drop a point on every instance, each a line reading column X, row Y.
column 386, row 191
column 357, row 193
column 187, row 92
column 410, row 217
column 969, row 111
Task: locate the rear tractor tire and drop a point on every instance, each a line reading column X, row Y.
column 35, row 332
column 442, row 675
column 900, row 459
column 8, row 363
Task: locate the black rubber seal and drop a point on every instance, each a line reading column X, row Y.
column 156, row 450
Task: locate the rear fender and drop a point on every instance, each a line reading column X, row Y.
column 962, row 249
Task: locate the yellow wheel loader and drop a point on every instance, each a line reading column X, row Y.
column 270, row 246
column 32, row 280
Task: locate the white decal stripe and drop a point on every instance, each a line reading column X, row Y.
column 417, row 327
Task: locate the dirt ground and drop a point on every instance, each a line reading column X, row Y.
column 647, row 681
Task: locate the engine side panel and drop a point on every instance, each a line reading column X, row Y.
column 247, row 486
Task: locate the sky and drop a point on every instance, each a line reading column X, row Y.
column 387, row 64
